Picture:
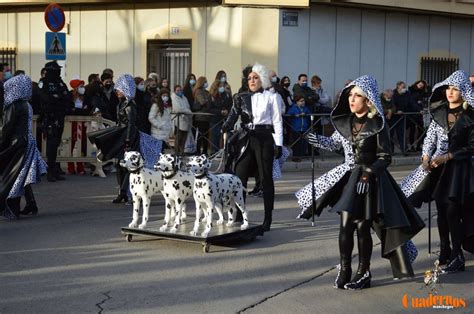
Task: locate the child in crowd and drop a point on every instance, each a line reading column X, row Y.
column 299, row 122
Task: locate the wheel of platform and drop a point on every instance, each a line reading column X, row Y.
column 206, row 248
column 129, row 237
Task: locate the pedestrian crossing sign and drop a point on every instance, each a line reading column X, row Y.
column 55, row 46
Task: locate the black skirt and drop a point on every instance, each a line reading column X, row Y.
column 456, row 182
column 329, row 198
column 393, row 217
column 111, row 141
column 456, row 185
column 424, row 192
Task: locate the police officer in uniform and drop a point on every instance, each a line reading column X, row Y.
column 55, row 101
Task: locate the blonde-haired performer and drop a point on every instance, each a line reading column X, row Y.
column 446, row 172
column 370, row 197
column 260, row 137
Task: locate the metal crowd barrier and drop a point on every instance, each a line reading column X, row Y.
column 67, row 153
column 396, row 121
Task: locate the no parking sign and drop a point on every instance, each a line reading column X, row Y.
column 54, row 17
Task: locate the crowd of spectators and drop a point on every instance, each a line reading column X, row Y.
column 203, row 104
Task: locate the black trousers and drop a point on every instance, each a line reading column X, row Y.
column 449, row 224
column 258, row 158
column 122, row 179
column 53, row 139
column 346, row 241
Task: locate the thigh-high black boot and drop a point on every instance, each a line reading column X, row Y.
column 346, row 244
column 443, row 230
column 121, row 178
column 453, row 212
column 362, row 277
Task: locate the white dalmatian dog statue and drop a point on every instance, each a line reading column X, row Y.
column 177, row 188
column 217, row 191
column 144, row 183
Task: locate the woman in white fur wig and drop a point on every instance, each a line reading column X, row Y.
column 260, row 137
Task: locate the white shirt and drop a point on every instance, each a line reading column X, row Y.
column 266, row 109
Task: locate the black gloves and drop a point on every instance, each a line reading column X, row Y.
column 278, row 152
column 363, row 184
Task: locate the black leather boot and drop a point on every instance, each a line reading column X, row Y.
column 361, row 279
column 343, row 275
column 30, row 209
column 456, row 264
column 50, row 176
column 444, row 254
column 58, row 175
column 120, row 198
column 267, row 221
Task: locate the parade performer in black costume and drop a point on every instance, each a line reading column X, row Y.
column 447, row 171
column 260, row 138
column 370, row 196
column 21, row 163
column 114, row 141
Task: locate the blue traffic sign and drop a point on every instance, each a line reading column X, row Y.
column 55, row 48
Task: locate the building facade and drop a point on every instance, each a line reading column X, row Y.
column 337, row 40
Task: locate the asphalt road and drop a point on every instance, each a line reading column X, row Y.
column 72, row 258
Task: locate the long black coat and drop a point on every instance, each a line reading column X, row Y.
column 13, row 146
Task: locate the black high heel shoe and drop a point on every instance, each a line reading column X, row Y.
column 360, row 281
column 30, row 209
column 120, row 198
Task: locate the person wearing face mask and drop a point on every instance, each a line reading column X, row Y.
column 78, row 129
column 299, row 121
column 221, row 104
column 188, row 88
column 165, row 99
column 202, row 105
column 181, row 105
column 109, row 96
column 402, row 102
column 55, row 101
column 160, row 119
column 310, row 96
column 143, row 106
column 7, row 72
column 114, row 141
column 260, row 139
column 221, row 77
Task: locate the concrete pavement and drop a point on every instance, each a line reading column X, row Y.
column 71, row 258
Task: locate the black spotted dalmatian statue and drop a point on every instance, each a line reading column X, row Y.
column 144, row 183
column 177, row 188
column 215, row 191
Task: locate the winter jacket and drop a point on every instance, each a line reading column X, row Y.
column 299, row 124
column 202, row 104
column 181, row 105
